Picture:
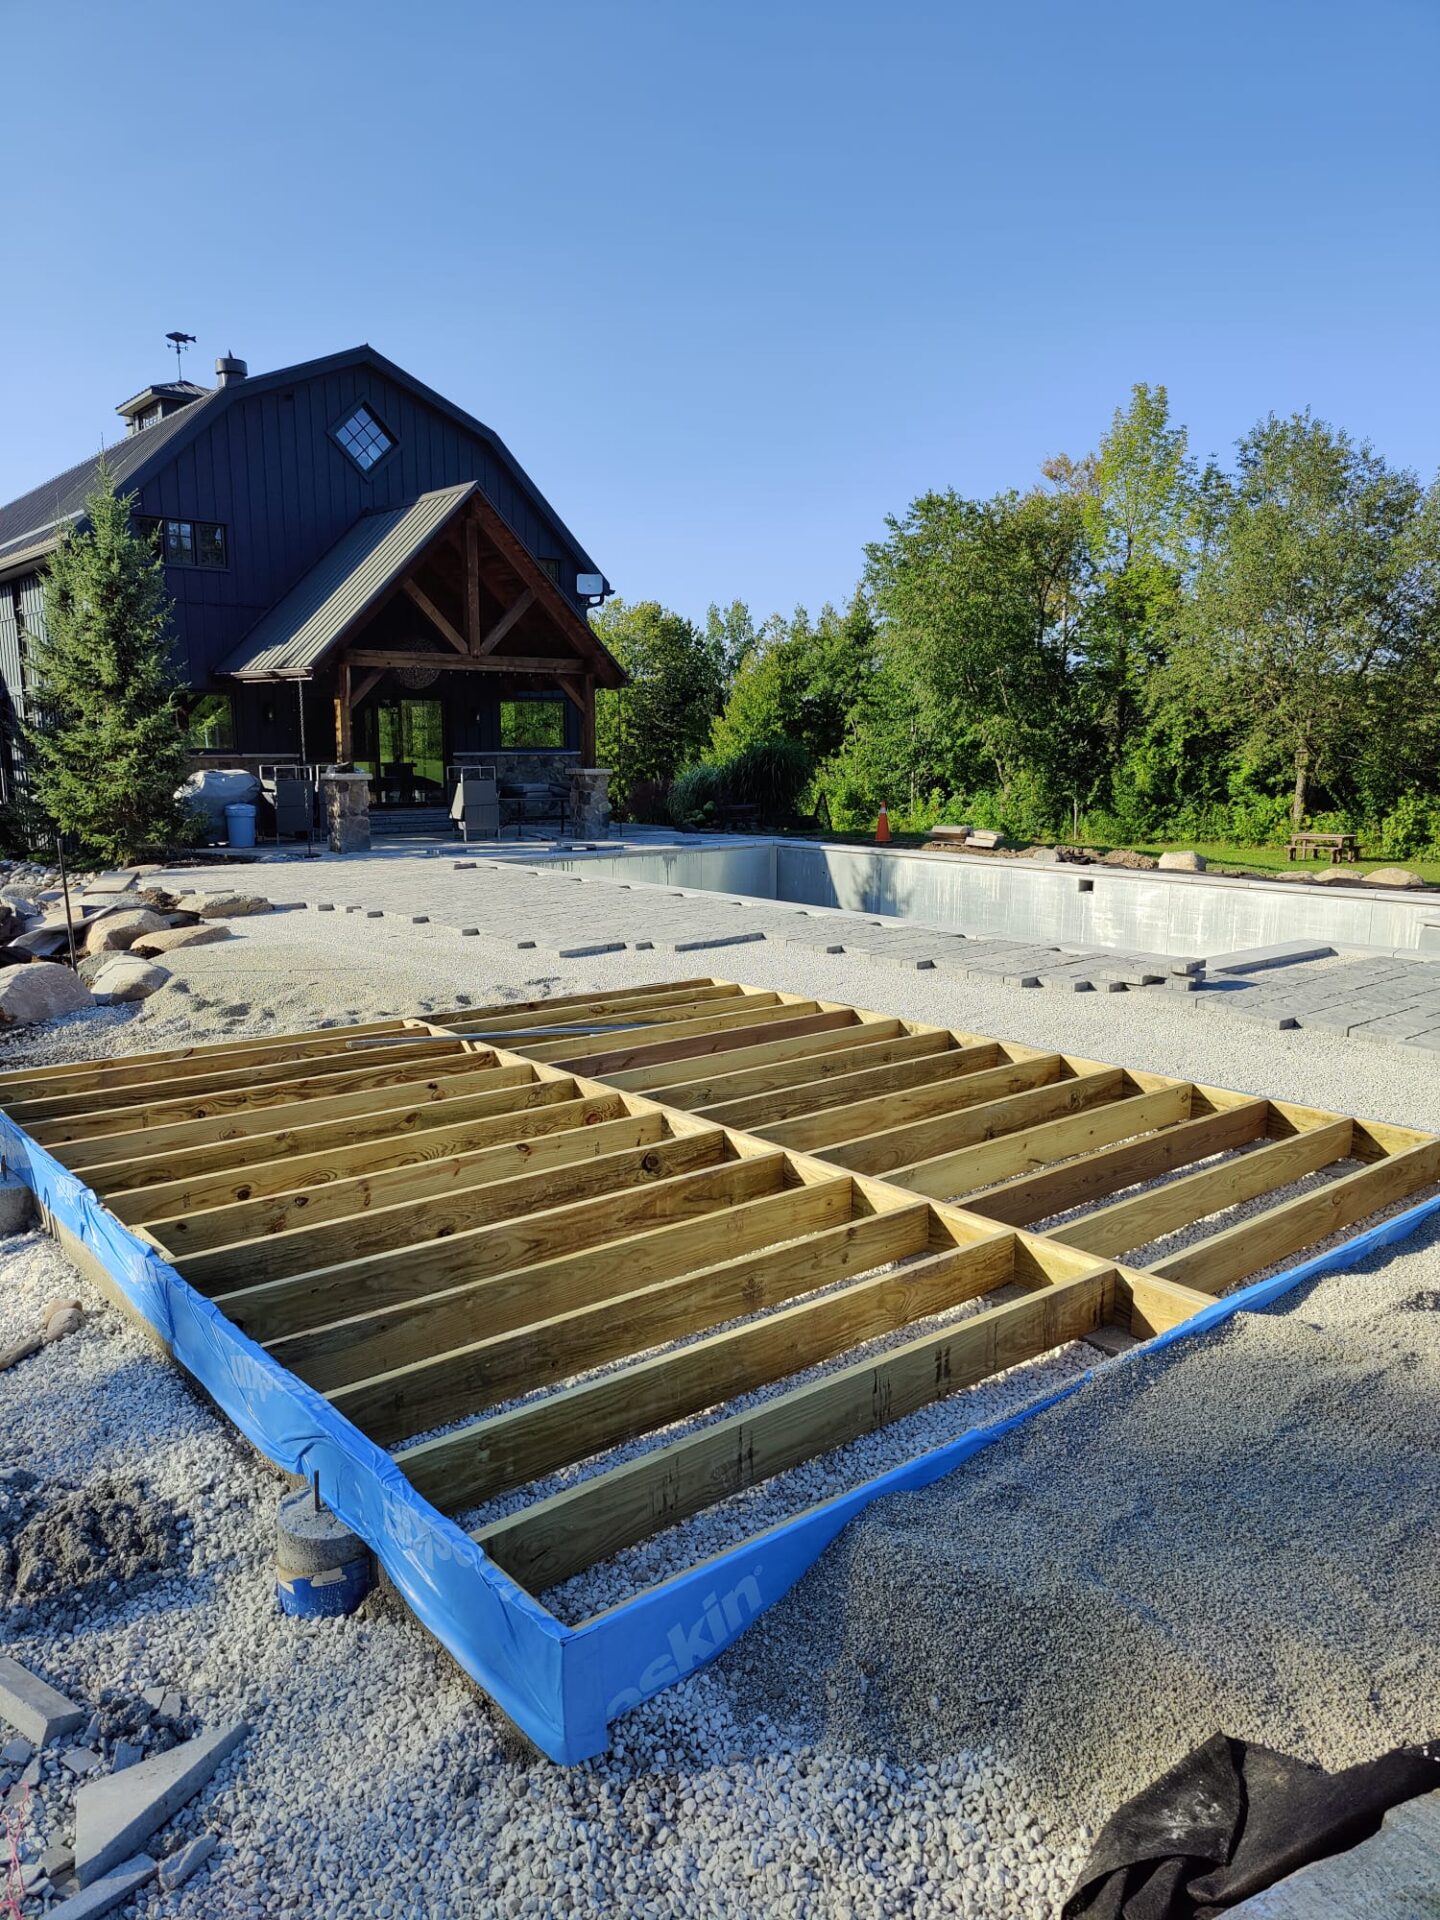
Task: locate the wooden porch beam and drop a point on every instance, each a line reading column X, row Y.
column 472, row 585
column 507, row 620
column 587, row 722
column 491, row 663
column 342, row 713
column 432, row 613
column 365, row 686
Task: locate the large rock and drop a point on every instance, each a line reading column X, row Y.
column 203, row 934
column 42, row 991
column 1392, row 877
column 118, row 932
column 223, row 906
column 1182, row 862
column 1044, row 856
column 126, row 978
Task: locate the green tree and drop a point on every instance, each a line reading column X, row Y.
column 979, row 604
column 1315, row 614
column 661, row 722
column 1138, row 510
column 108, row 742
column 801, row 681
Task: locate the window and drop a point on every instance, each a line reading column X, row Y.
column 211, row 723
column 552, row 567
column 363, row 438
column 186, row 543
column 532, row 723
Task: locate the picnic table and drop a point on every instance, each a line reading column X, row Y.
column 1340, row 846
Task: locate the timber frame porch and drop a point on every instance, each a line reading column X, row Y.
column 442, row 586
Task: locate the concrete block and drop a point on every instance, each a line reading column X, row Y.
column 111, row 1890
column 34, row 1708
column 715, row 940
column 115, row 1815
column 590, row 947
column 1285, row 953
column 17, row 1205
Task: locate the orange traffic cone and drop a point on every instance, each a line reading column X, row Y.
column 882, row 827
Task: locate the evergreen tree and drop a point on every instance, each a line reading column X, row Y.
column 108, row 742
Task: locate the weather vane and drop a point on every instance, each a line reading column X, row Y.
column 180, row 341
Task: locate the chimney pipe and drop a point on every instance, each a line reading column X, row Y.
column 229, row 370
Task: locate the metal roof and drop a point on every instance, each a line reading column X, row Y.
column 34, row 520
column 291, row 639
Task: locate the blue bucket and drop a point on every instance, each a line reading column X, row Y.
column 240, row 826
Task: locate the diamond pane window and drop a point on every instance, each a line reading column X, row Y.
column 364, row 439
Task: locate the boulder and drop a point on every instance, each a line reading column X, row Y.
column 1044, row 856
column 223, row 906
column 118, row 932
column 1392, row 877
column 126, row 978
column 11, row 921
column 1181, row 862
column 40, row 992
column 202, row 934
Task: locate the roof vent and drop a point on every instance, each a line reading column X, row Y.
column 228, row 370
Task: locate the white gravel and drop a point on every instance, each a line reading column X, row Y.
column 376, row 1780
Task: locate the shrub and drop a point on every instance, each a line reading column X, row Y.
column 1411, row 827
column 694, row 796
column 771, row 775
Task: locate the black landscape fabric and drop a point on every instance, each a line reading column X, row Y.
column 1230, row 1820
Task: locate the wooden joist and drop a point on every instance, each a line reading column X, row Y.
column 557, row 1538
column 428, row 1220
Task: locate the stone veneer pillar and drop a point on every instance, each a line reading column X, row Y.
column 589, row 802
column 347, row 810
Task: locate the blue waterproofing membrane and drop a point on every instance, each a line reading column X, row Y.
column 561, row 1684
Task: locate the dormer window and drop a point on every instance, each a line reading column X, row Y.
column 364, row 438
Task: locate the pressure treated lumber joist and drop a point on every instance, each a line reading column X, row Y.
column 638, row 1205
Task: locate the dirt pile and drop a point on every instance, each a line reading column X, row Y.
column 72, row 1542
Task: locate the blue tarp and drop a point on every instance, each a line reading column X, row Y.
column 562, row 1685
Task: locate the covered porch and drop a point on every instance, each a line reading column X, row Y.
column 430, row 639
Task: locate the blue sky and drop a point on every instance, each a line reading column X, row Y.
column 735, row 279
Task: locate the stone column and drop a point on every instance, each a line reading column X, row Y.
column 589, row 802
column 347, row 810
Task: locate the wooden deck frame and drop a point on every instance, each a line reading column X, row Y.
column 428, row 1220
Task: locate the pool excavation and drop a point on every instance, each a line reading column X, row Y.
column 439, row 1261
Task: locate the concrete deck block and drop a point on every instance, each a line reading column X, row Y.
column 17, row 1205
column 108, row 1892
column 115, row 1815
column 34, row 1708
column 1285, row 953
column 712, row 940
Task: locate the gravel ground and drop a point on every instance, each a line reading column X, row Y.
column 1238, row 1536
column 376, row 1780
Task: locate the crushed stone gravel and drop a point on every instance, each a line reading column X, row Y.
column 1198, row 1578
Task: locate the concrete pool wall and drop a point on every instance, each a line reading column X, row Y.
column 1189, row 915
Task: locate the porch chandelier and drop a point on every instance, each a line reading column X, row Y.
column 415, row 678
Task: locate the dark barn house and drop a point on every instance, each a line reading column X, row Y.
column 360, row 572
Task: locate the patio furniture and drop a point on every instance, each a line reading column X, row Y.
column 475, row 802
column 1340, row 846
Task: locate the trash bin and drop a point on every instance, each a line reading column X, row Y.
column 240, row 826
